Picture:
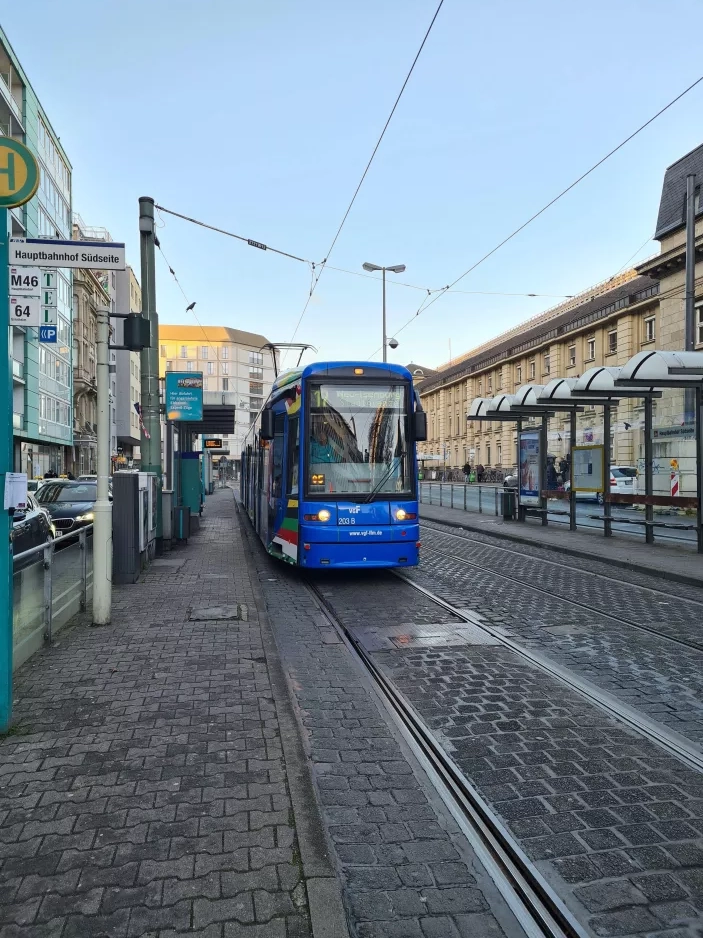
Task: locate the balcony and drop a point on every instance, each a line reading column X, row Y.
column 17, row 372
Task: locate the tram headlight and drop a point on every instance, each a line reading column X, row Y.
column 323, row 515
column 400, row 514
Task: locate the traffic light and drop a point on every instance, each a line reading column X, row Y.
column 137, row 332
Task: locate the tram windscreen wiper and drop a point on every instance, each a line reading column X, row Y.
column 397, row 461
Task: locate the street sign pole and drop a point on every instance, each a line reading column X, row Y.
column 5, row 467
column 19, row 180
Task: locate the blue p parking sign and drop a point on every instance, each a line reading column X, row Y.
column 48, row 334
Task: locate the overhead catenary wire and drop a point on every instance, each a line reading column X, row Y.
column 365, row 172
column 425, row 305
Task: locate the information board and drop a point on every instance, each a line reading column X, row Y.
column 530, row 467
column 184, row 395
column 587, row 468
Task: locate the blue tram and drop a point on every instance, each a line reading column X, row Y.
column 330, row 478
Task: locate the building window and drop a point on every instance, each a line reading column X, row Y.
column 189, row 366
column 224, row 351
column 184, row 352
column 256, row 373
column 499, row 453
column 225, row 384
column 613, row 341
column 488, row 454
column 499, row 380
column 490, row 384
column 545, row 363
column 518, row 374
column 533, row 369
column 204, row 384
column 225, row 368
column 699, row 324
column 210, row 368
column 203, row 352
column 256, row 403
column 591, row 349
column 256, row 358
column 169, row 366
column 256, row 387
column 649, row 329
column 572, row 356
column 480, row 387
column 163, row 351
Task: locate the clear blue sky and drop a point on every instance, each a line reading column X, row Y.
column 260, row 117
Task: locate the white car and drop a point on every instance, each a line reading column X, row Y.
column 623, row 481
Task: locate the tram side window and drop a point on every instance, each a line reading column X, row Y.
column 293, row 454
column 277, row 467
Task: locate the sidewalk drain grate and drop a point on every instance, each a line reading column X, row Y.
column 218, row 613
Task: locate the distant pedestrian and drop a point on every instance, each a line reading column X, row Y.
column 51, row 474
column 480, row 472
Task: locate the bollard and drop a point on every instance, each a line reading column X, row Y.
column 480, row 508
column 464, row 496
column 451, row 495
column 440, row 494
column 48, row 599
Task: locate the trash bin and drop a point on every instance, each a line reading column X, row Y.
column 508, row 504
column 181, row 522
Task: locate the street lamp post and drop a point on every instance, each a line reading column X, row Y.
column 397, row 269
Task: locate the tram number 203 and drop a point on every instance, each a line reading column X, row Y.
column 347, row 520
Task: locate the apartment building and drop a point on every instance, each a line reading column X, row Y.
column 41, row 373
column 231, row 360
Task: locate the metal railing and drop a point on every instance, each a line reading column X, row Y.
column 467, row 496
column 51, row 583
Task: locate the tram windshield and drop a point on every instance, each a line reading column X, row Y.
column 358, row 440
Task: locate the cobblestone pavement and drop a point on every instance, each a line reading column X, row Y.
column 144, row 788
column 406, row 872
column 580, row 563
column 659, row 677
column 612, row 821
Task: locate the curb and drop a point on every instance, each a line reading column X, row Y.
column 327, row 915
column 632, row 566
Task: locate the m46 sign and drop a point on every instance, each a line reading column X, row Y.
column 25, row 281
column 25, row 311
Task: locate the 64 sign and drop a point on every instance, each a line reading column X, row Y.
column 25, row 311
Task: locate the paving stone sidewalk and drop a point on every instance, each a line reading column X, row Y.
column 144, row 788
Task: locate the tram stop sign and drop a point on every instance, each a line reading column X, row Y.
column 19, row 173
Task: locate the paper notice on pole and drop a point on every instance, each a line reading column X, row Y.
column 15, row 490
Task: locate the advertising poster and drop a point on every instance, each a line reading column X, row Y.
column 184, row 395
column 530, row 468
column 587, row 468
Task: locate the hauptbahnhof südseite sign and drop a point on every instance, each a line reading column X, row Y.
column 99, row 255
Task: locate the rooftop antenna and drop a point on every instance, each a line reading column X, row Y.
column 273, row 347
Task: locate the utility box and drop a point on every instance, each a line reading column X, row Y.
column 134, row 507
column 181, row 522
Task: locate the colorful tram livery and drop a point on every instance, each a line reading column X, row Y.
column 330, row 479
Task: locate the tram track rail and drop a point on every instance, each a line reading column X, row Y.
column 672, row 743
column 536, row 906
column 620, row 620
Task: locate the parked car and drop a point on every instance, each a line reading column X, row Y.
column 87, row 478
column 31, row 528
column 34, row 484
column 69, row 503
column 623, row 481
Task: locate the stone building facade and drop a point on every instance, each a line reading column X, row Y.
column 638, row 310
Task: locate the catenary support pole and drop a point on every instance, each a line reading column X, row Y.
column 648, row 469
column 151, row 446
column 520, row 508
column 572, row 494
column 699, row 467
column 607, row 507
column 385, row 346
column 102, row 510
column 690, row 289
column 5, row 466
